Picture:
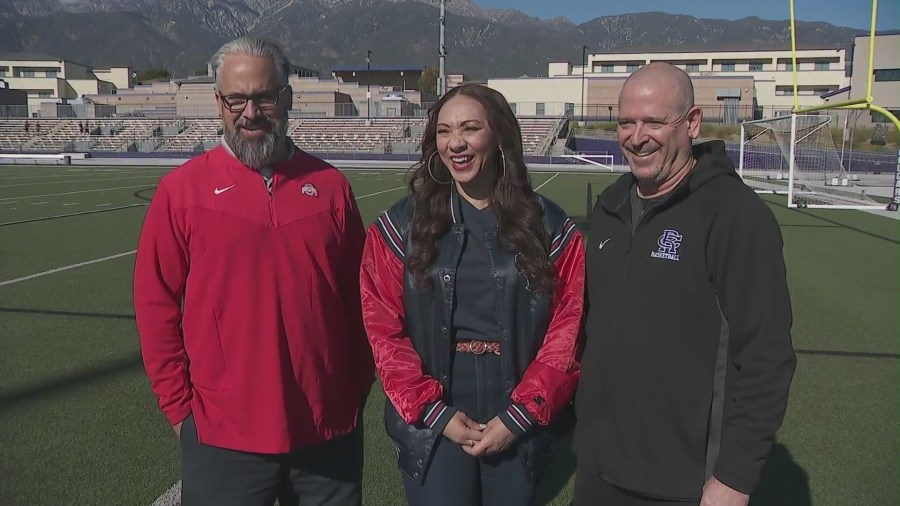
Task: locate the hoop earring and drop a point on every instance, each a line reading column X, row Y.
column 430, row 173
column 503, row 158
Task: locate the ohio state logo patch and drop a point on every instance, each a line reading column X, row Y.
column 309, row 190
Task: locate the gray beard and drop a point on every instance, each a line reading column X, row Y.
column 257, row 153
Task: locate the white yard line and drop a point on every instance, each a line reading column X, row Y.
column 119, row 255
column 142, row 186
column 39, row 203
column 66, row 268
column 80, row 173
column 76, row 192
column 17, row 222
column 379, row 193
column 93, row 180
column 171, row 497
column 546, row 182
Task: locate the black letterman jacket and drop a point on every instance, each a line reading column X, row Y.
column 409, row 330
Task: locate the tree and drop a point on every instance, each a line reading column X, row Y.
column 428, row 81
column 154, row 74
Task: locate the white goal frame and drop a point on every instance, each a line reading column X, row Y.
column 604, row 161
column 802, row 193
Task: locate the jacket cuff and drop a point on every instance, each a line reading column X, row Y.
column 743, row 479
column 437, row 416
column 517, row 419
column 178, row 414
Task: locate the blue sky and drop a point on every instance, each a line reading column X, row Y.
column 850, row 13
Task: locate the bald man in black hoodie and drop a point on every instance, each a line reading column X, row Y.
column 688, row 362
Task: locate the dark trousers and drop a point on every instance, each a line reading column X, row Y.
column 329, row 474
column 592, row 490
column 454, row 477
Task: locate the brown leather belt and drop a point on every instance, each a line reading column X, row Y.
column 478, row 347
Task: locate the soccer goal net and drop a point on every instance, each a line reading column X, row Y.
column 796, row 156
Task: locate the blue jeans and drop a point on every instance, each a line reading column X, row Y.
column 454, row 477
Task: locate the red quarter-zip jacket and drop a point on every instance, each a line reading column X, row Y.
column 247, row 302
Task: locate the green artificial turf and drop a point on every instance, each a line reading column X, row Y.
column 80, row 426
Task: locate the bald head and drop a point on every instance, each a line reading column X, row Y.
column 664, row 81
column 657, row 124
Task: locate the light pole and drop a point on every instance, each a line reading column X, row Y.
column 368, row 87
column 583, row 77
column 442, row 51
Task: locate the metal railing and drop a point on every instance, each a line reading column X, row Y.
column 547, row 142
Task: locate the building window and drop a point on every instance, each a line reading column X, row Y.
column 570, row 108
column 728, row 67
column 539, row 109
column 512, row 105
column 877, row 117
column 823, row 65
column 756, row 66
column 27, row 73
column 2, row 72
column 692, row 67
column 607, row 69
column 45, row 94
column 632, row 67
column 52, row 73
column 887, row 75
column 788, row 65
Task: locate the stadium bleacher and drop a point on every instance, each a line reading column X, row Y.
column 14, row 136
column 191, row 139
column 348, row 134
column 321, row 135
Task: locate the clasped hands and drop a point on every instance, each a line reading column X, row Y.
column 477, row 439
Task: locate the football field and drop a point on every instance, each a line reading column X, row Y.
column 79, row 425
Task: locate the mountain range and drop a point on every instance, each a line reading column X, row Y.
column 181, row 35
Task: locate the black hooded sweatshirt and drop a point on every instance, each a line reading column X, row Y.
column 688, row 359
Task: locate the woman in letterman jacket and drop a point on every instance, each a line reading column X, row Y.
column 472, row 292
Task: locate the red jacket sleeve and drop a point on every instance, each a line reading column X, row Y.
column 549, row 382
column 160, row 274
column 381, row 286
column 354, row 237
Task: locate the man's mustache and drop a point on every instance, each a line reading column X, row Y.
column 255, row 124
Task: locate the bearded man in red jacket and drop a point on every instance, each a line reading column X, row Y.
column 246, row 291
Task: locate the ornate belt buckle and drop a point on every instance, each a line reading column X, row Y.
column 479, row 347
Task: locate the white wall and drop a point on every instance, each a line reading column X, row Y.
column 120, row 77
column 526, row 93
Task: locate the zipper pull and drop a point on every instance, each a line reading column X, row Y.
column 628, row 244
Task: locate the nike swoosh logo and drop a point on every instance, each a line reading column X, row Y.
column 603, row 243
column 223, row 190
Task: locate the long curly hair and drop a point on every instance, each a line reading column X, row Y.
column 519, row 214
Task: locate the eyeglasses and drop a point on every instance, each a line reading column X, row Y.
column 264, row 100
